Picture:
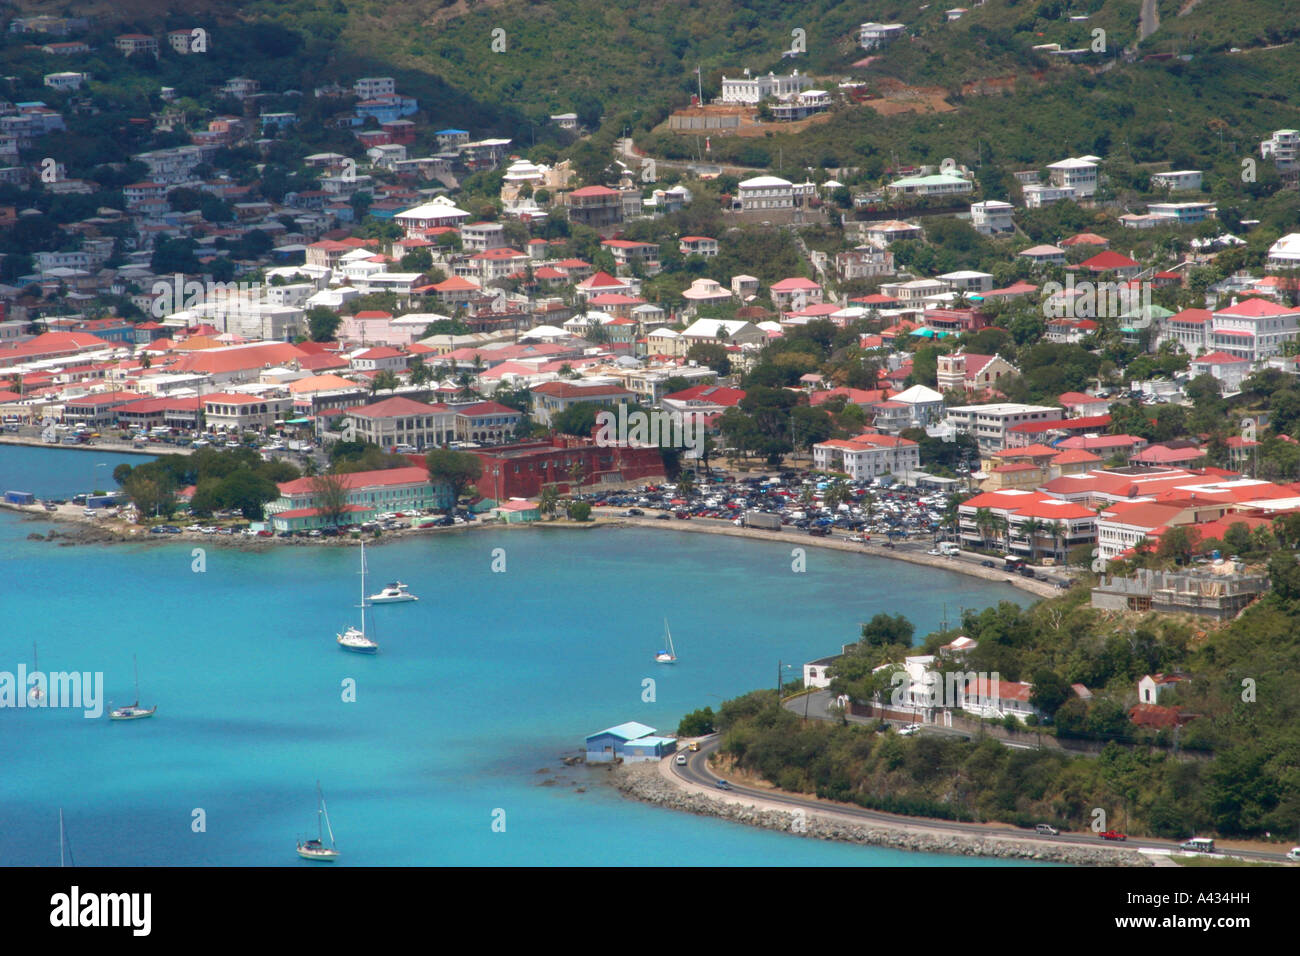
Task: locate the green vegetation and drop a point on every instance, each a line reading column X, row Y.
column 234, row 479
column 1234, row 771
column 459, row 469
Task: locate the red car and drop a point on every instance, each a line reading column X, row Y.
column 1113, row 835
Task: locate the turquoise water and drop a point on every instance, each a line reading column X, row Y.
column 488, row 679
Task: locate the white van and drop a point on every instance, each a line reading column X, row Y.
column 949, row 549
column 1198, row 845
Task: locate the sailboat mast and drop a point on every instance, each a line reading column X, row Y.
column 363, row 592
column 61, row 863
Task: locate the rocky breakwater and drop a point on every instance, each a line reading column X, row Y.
column 646, row 783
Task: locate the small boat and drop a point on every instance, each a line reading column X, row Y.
column 669, row 656
column 393, row 593
column 316, row 849
column 354, row 638
column 133, row 711
column 36, row 695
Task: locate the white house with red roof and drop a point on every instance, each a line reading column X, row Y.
column 868, row 455
column 486, row 421
column 456, row 290
column 380, row 358
column 1074, row 524
column 1082, row 405
column 697, row 246
column 628, row 254
column 1253, row 329
column 439, row 212
column 703, row 399
column 1229, row 370
column 795, row 293
column 400, row 421
column 552, row 398
column 237, row 411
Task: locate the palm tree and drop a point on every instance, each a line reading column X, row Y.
column 1031, row 529
column 1003, row 525
column 984, row 522
column 548, row 500
column 686, row 487
column 1058, row 531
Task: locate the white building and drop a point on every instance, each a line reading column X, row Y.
column 1285, row 253
column 755, row 89
column 1037, row 196
column 967, row 280
column 938, row 184
column 868, row 455
column 1182, row 179
column 872, row 36
column 1283, row 148
column 989, row 424
column 64, row 81
column 992, row 216
column 1078, row 175
column 766, row 192
column 369, row 87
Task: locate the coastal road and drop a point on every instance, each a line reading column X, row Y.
column 698, row 772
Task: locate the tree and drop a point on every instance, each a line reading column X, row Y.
column 697, row 723
column 578, row 419
column 580, row 510
column 322, row 323
column 548, row 500
column 384, row 381
column 884, row 629
column 1050, row 690
column 1179, row 544
column 331, row 494
column 459, row 469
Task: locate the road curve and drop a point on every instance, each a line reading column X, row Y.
column 697, row 771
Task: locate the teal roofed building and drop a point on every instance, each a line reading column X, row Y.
column 631, row 742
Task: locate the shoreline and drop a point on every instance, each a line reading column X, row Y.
column 656, row 784
column 103, row 447
column 1037, row 588
column 113, row 531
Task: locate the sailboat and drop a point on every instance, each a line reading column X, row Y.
column 669, row 656
column 316, row 849
column 63, row 841
column 133, row 711
column 354, row 638
column 36, row 695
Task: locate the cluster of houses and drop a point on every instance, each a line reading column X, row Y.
column 927, row 689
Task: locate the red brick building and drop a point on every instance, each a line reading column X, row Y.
column 521, row 470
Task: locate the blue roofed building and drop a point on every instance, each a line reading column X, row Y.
column 631, row 742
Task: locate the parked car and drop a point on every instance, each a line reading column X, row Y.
column 986, row 564
column 909, row 730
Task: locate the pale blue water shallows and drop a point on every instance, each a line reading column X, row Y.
column 488, row 679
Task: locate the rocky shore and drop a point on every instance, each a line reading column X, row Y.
column 647, row 783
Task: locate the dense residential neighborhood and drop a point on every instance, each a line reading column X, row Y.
column 938, row 291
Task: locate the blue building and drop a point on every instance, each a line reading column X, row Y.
column 631, row 742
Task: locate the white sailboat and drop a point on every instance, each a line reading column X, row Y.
column 36, row 695
column 354, row 638
column 669, row 656
column 316, row 849
column 133, row 711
